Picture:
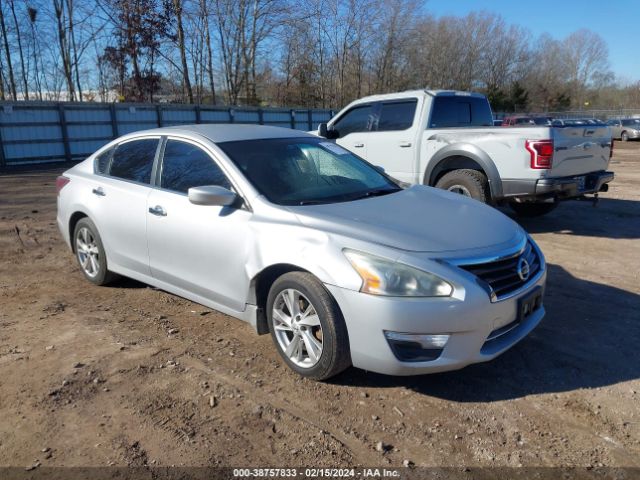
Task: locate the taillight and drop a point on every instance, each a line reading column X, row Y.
column 541, row 153
column 61, row 181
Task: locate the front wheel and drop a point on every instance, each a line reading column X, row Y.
column 307, row 326
column 533, row 209
column 467, row 182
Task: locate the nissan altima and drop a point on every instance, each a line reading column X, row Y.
column 308, row 242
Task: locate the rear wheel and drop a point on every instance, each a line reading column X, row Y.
column 467, row 182
column 90, row 253
column 624, row 136
column 307, row 327
column 533, row 209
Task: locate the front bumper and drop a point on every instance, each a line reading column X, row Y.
column 469, row 322
column 561, row 188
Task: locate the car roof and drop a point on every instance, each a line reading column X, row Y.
column 219, row 133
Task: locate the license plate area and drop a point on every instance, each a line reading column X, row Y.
column 529, row 304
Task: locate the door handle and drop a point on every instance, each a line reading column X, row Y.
column 358, row 145
column 98, row 191
column 404, row 144
column 157, row 210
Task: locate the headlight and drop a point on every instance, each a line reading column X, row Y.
column 385, row 277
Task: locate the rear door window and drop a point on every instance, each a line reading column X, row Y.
column 460, row 111
column 397, row 115
column 134, row 160
column 185, row 165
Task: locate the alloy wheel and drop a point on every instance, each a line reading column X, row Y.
column 88, row 252
column 297, row 328
column 460, row 189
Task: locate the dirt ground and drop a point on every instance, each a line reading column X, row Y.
column 129, row 375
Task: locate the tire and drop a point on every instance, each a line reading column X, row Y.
column 327, row 327
column 467, row 182
column 90, row 253
column 624, row 137
column 532, row 209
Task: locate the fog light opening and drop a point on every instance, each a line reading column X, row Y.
column 411, row 347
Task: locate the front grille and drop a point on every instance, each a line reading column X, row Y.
column 502, row 275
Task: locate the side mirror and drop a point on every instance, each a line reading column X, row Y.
column 212, row 195
column 324, row 131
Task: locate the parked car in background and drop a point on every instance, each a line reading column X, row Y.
column 497, row 123
column 625, row 129
column 304, row 240
column 446, row 139
column 521, row 121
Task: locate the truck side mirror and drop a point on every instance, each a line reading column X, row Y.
column 324, row 131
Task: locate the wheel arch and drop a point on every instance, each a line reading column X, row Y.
column 73, row 221
column 461, row 156
column 259, row 290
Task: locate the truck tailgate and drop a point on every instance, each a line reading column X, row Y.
column 580, row 150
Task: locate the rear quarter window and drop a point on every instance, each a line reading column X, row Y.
column 101, row 162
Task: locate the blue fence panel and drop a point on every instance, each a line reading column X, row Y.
column 41, row 132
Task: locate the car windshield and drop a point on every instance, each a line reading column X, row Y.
column 304, row 171
column 635, row 122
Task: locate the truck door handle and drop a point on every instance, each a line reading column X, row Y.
column 98, row 191
column 157, row 210
column 404, row 144
column 358, row 145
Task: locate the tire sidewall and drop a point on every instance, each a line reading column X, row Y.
column 320, row 369
column 473, row 185
column 101, row 278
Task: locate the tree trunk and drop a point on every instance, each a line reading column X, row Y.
column 205, row 16
column 25, row 73
column 64, row 48
column 75, row 48
column 183, row 54
column 7, row 51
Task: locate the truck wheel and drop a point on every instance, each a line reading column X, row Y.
column 467, row 182
column 532, row 209
column 624, row 136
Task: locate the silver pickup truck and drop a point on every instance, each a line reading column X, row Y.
column 447, row 139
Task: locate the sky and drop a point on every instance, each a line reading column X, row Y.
column 616, row 21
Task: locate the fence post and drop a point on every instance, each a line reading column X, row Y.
column 310, row 119
column 198, row 119
column 114, row 120
column 65, row 133
column 3, row 162
column 159, row 115
column 260, row 116
column 293, row 119
column 232, row 115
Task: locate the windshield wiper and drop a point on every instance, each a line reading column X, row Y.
column 377, row 192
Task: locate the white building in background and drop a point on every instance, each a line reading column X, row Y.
column 63, row 96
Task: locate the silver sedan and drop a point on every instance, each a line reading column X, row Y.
column 308, row 242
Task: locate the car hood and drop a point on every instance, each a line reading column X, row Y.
column 418, row 219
